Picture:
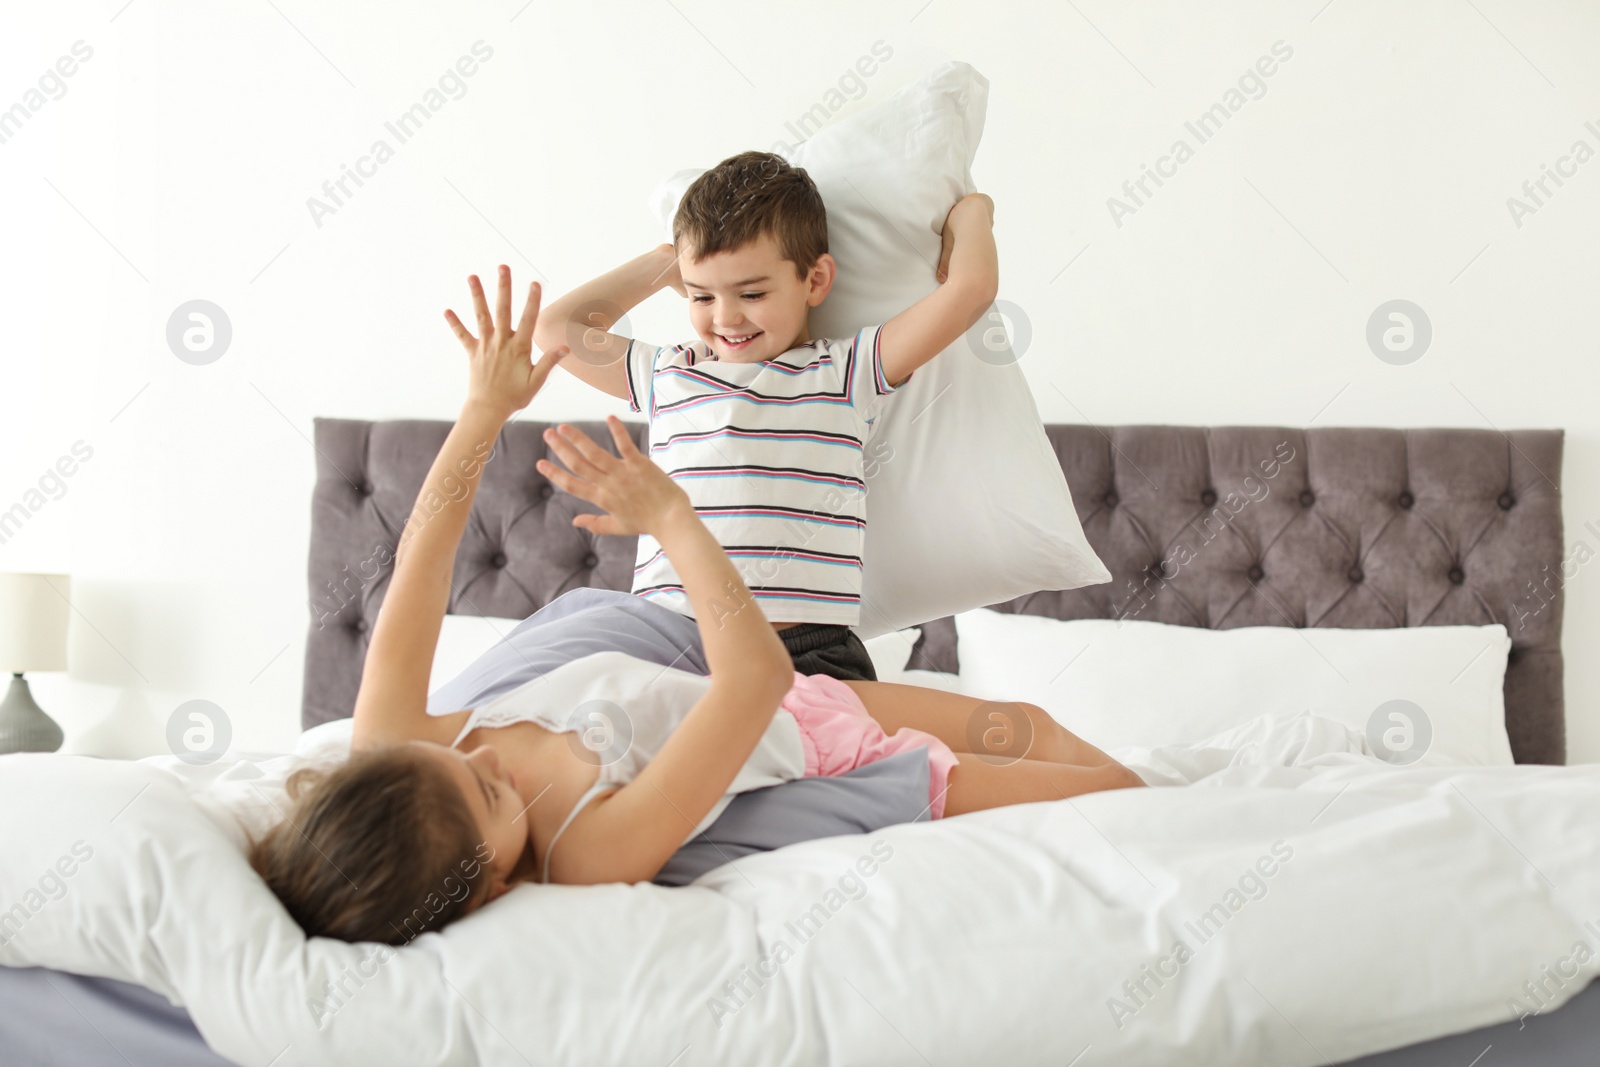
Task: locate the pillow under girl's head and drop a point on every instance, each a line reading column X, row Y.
column 747, row 197
column 380, row 848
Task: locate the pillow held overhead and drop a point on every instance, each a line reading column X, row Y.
column 968, row 506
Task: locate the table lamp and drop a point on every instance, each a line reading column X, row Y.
column 33, row 637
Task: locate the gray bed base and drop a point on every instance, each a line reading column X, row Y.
column 51, row 1019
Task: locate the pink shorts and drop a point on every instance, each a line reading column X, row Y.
column 838, row 735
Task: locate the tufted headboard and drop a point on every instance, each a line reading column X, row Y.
column 1218, row 527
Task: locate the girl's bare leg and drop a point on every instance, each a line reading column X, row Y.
column 977, row 784
column 1005, row 731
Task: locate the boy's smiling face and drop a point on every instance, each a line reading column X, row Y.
column 752, row 292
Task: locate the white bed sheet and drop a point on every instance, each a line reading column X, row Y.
column 1403, row 904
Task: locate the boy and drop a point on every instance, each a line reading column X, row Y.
column 763, row 425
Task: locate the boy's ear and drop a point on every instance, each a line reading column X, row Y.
column 821, row 279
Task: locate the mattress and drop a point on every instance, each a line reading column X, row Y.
column 1076, row 895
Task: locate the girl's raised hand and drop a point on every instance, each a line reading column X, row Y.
column 501, row 373
column 637, row 494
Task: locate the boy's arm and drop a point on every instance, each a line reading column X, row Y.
column 935, row 322
column 582, row 319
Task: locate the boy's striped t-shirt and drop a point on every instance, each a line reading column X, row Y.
column 773, row 457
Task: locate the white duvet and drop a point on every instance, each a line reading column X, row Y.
column 1300, row 903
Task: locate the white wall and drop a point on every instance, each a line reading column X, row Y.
column 178, row 165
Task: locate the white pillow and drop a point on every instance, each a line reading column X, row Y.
column 891, row 652
column 1147, row 684
column 969, row 506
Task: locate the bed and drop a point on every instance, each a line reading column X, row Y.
column 1376, row 528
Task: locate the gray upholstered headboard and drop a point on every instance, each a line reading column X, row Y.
column 1219, row 527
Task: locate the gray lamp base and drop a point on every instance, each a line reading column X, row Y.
column 24, row 727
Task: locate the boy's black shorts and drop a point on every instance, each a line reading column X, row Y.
column 825, row 648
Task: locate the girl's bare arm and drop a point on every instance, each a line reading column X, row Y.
column 628, row 835
column 392, row 702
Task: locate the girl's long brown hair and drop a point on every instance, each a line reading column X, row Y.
column 380, row 848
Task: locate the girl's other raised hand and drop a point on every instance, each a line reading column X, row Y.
column 637, row 494
column 501, row 374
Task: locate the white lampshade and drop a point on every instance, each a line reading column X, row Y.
column 33, row 622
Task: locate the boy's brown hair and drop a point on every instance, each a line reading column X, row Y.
column 746, row 196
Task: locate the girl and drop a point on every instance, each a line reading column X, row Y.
column 434, row 815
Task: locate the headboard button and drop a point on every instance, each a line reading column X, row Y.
column 1506, row 500
column 1110, row 499
column 498, row 561
column 1356, row 575
column 591, row 561
column 1307, row 498
column 359, row 626
column 545, row 492
column 1406, row 500
column 1255, row 573
column 1457, row 576
column 1208, row 497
